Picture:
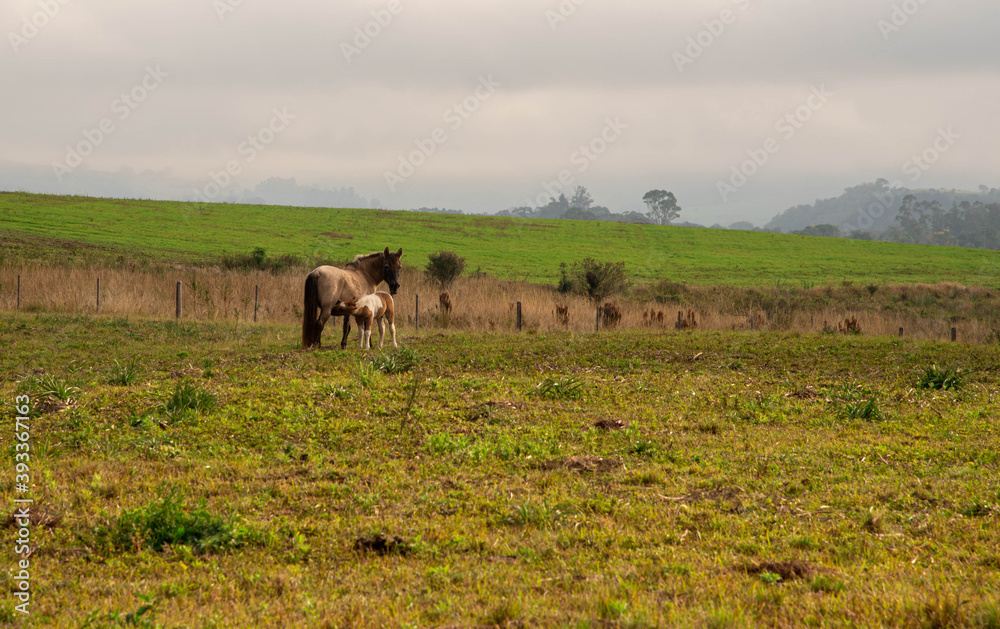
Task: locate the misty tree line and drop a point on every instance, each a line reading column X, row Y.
column 663, row 209
column 965, row 224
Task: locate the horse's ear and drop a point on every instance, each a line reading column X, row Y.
column 399, row 254
column 386, row 252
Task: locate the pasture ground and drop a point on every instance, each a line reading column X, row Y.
column 212, row 474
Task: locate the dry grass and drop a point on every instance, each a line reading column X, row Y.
column 489, row 304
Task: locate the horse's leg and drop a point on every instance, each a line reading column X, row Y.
column 381, row 331
column 392, row 328
column 347, row 331
column 323, row 316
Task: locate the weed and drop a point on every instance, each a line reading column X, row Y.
column 827, row 585
column 941, row 378
column 610, row 609
column 138, row 618
column 124, row 374
column 503, row 614
column 976, row 510
column 335, row 391
column 642, row 447
column 988, row 616
column 188, row 398
column 366, row 374
column 53, row 387
column 168, row 522
column 864, row 409
column 559, row 388
column 399, row 361
column 769, row 577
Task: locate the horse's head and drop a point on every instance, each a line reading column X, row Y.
column 390, row 269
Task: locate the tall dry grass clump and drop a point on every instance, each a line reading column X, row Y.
column 486, row 303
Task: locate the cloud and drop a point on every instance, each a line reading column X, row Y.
column 560, row 80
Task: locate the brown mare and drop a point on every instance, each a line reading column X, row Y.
column 327, row 285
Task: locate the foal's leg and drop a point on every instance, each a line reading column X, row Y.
column 381, row 331
column 392, row 328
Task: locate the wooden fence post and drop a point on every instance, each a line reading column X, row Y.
column 98, row 295
column 178, row 300
column 518, row 316
column 901, row 331
column 416, row 315
column 255, row 289
column 680, row 319
column 18, row 292
column 597, row 324
column 954, row 334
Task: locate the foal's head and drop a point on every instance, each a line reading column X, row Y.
column 390, row 269
column 344, row 308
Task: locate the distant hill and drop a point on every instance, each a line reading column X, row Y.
column 869, row 207
column 125, row 231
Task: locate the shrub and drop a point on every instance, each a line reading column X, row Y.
column 598, row 280
column 258, row 260
column 444, row 267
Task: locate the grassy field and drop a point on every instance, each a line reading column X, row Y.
column 79, row 228
column 211, row 474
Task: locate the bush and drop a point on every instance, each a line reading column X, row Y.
column 444, row 267
column 598, row 280
column 258, row 260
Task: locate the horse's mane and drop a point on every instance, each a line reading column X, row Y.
column 361, row 257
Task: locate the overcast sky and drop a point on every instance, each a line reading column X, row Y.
column 868, row 84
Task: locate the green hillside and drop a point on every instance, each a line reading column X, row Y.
column 507, row 247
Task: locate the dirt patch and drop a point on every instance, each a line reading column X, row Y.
column 807, row 393
column 193, row 372
column 727, row 497
column 584, row 464
column 787, row 570
column 48, row 406
column 610, row 424
column 381, row 544
column 40, row 516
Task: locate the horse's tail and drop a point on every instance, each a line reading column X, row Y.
column 311, row 329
